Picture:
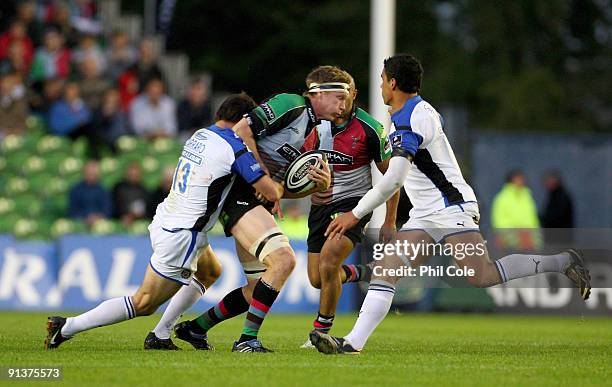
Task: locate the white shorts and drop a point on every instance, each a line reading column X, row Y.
column 175, row 252
column 451, row 220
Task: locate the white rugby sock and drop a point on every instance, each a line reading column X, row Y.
column 182, row 300
column 525, row 265
column 109, row 312
column 375, row 307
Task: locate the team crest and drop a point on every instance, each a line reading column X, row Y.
column 185, row 273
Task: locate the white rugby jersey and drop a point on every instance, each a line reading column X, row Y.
column 210, row 160
column 435, row 180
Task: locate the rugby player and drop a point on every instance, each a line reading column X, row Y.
column 208, row 165
column 351, row 142
column 275, row 131
column 445, row 209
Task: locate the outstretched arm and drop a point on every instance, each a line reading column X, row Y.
column 381, row 192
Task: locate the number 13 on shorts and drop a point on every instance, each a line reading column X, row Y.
column 181, row 177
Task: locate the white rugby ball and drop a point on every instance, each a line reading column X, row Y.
column 296, row 177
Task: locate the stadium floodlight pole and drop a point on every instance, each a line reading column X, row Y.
column 382, row 45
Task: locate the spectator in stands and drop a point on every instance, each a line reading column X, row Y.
column 17, row 33
column 16, row 60
column 109, row 123
column 153, row 114
column 83, row 15
column 93, row 86
column 70, row 115
column 120, row 55
column 42, row 100
column 130, row 196
column 146, row 68
column 128, row 89
column 26, row 14
column 88, row 49
column 51, row 60
column 558, row 215
column 88, row 200
column 514, row 214
column 161, row 192
column 60, row 20
column 194, row 111
column 13, row 105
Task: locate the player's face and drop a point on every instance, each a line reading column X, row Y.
column 385, row 88
column 329, row 105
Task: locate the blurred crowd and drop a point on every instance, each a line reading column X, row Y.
column 56, row 63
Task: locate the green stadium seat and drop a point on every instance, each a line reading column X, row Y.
column 16, row 185
column 63, row 226
column 12, row 143
column 139, row 227
column 71, row 166
column 28, row 204
column 57, row 186
column 7, row 206
column 33, row 164
column 16, row 160
column 80, row 147
column 106, row 227
column 162, row 146
column 25, row 228
column 39, row 183
column 53, row 144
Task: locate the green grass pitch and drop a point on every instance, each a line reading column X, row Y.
column 408, row 349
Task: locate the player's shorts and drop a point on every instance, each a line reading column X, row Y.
column 455, row 219
column 321, row 216
column 240, row 200
column 175, row 252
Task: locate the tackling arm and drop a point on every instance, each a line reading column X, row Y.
column 386, row 187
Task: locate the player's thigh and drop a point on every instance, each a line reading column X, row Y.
column 209, row 266
column 258, row 233
column 416, row 242
column 154, row 291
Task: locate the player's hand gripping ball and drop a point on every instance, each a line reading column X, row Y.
column 296, row 177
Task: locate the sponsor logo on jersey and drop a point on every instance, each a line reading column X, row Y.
column 185, row 273
column 397, row 141
column 337, row 158
column 288, row 152
column 192, row 157
column 268, row 112
column 255, row 167
column 311, row 115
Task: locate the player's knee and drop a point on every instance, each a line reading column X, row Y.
column 283, row 260
column 210, row 274
column 328, row 269
column 478, row 281
column 144, row 305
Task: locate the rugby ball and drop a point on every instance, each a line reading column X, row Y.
column 296, row 177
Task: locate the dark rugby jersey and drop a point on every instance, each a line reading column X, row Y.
column 280, row 126
column 350, row 149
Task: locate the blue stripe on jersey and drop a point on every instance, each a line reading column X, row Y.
column 402, row 116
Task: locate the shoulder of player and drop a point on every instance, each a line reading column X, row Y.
column 423, row 114
column 369, row 123
column 283, row 103
column 225, row 138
